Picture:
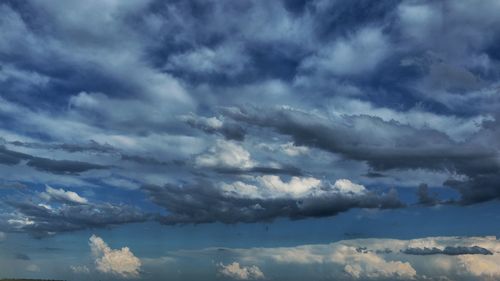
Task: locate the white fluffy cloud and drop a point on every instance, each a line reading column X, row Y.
column 226, row 154
column 119, row 262
column 236, row 271
column 62, row 196
column 270, row 186
column 345, row 186
column 370, row 265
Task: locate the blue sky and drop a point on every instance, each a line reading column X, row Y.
column 249, row 140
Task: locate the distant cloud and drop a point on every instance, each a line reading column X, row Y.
column 238, row 272
column 80, row 269
column 448, row 250
column 33, row 268
column 460, row 258
column 119, row 262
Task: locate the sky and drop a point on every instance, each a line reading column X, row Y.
column 250, row 140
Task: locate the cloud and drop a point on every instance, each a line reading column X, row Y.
column 292, row 150
column 60, row 195
column 178, row 98
column 372, row 266
column 10, row 157
column 228, row 59
column 357, row 54
column 225, row 154
column 62, row 166
column 206, row 202
column 91, row 147
column 119, row 262
column 213, row 125
column 449, row 250
column 424, row 198
column 394, row 146
column 461, row 259
column 40, row 220
column 238, row 272
column 12, row 185
column 80, row 269
column 33, row 268
column 24, row 257
column 271, row 186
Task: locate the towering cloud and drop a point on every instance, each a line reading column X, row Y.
column 120, row 262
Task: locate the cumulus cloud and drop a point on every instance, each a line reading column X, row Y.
column 60, row 195
column 271, row 186
column 120, row 262
column 372, row 266
column 267, row 198
column 236, row 271
column 225, row 154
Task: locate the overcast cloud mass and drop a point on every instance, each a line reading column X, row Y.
column 229, row 140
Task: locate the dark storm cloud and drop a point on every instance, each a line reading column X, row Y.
column 448, row 250
column 144, row 160
column 386, row 146
column 424, row 197
column 283, row 170
column 203, row 202
column 62, row 166
column 39, row 220
column 91, row 147
column 10, row 157
column 392, row 146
